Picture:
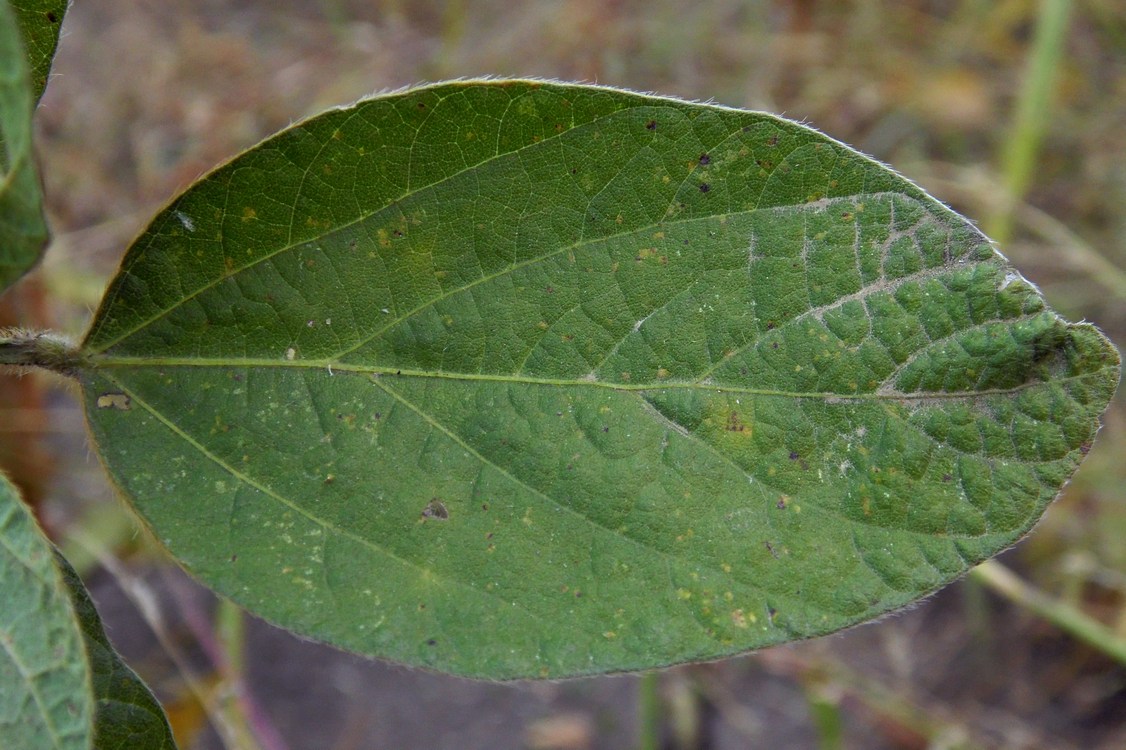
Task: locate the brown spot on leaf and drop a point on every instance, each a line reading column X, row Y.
column 436, row 510
column 735, row 423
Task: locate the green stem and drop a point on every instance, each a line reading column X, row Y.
column 649, row 711
column 1022, row 145
column 21, row 348
column 1067, row 618
column 231, row 630
column 825, row 712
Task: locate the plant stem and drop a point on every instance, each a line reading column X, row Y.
column 824, row 710
column 649, row 711
column 1022, row 144
column 22, row 348
column 1067, row 618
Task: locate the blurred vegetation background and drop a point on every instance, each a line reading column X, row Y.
column 1012, row 111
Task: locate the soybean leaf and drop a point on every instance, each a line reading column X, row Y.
column 23, row 230
column 517, row 379
column 45, row 701
column 127, row 716
column 40, row 22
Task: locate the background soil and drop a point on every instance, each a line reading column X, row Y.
column 146, row 96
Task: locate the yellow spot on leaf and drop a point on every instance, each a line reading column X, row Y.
column 119, row 401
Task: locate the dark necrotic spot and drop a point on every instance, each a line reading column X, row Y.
column 705, row 160
column 705, row 187
column 436, row 509
column 651, row 125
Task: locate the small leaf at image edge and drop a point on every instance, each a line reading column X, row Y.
column 46, row 700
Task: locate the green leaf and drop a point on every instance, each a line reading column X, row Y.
column 23, row 229
column 127, row 716
column 45, row 701
column 40, row 22
column 516, row 379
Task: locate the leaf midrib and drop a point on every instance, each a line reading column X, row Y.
column 330, row 367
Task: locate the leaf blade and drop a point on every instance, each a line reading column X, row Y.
column 23, row 228
column 46, row 701
column 40, row 23
column 672, row 372
column 126, row 713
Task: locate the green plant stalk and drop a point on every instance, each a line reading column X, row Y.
column 230, row 627
column 1067, row 618
column 23, row 348
column 939, row 729
column 649, row 711
column 1022, row 145
column 683, row 706
column 825, row 713
column 230, row 632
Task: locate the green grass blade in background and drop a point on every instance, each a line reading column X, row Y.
column 23, row 229
column 46, row 700
column 126, row 713
column 516, row 379
column 40, row 22
column 1021, row 147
